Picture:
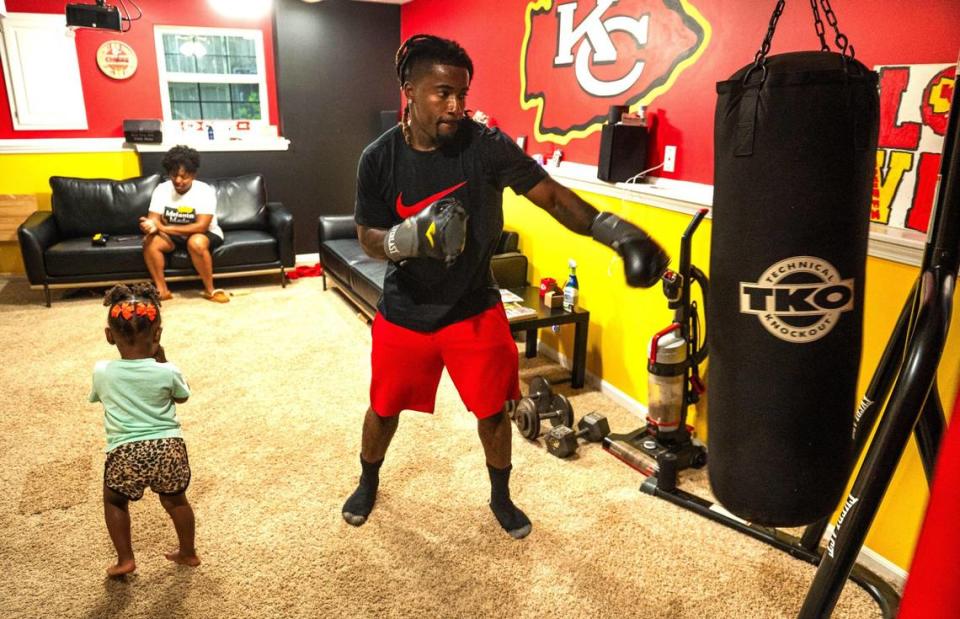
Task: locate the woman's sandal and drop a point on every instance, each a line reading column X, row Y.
column 217, row 296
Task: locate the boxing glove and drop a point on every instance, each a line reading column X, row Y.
column 643, row 260
column 439, row 231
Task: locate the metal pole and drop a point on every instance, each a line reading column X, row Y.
column 909, row 400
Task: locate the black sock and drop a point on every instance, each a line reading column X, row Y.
column 513, row 521
column 360, row 503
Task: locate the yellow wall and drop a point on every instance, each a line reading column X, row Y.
column 30, row 174
column 622, row 321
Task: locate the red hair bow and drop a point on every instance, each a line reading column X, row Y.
column 128, row 310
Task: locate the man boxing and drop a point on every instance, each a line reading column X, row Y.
column 429, row 200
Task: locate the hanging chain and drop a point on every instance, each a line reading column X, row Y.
column 842, row 43
column 765, row 47
column 818, row 24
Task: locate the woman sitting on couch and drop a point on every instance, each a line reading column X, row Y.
column 183, row 213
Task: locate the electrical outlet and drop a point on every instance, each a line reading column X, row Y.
column 669, row 158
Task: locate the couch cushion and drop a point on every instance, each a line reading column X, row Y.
column 121, row 254
column 346, row 260
column 241, row 202
column 84, row 206
column 340, row 256
column 367, row 279
column 240, row 248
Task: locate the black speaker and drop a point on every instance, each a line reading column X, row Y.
column 93, row 16
column 623, row 152
column 143, row 131
column 388, row 118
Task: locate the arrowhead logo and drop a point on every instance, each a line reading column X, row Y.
column 406, row 211
column 579, row 56
column 430, row 232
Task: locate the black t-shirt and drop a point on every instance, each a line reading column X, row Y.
column 394, row 181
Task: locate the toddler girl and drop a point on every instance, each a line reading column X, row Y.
column 144, row 442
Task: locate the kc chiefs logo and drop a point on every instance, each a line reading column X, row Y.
column 579, row 57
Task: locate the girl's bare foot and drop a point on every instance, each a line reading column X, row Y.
column 178, row 557
column 121, row 568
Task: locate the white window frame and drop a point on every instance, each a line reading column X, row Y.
column 165, row 78
column 42, row 72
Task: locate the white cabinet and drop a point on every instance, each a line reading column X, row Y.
column 41, row 71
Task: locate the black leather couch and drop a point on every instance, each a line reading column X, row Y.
column 360, row 277
column 58, row 252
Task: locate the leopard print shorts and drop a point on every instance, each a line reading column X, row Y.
column 160, row 464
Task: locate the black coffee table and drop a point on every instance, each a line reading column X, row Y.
column 549, row 317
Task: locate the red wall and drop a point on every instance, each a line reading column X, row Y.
column 110, row 101
column 492, row 31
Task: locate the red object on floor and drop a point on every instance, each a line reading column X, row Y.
column 305, row 271
column 933, row 587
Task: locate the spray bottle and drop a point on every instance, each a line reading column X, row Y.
column 571, row 290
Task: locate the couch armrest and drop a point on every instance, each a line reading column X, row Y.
column 36, row 234
column 280, row 222
column 509, row 269
column 336, row 227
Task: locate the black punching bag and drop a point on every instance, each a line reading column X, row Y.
column 795, row 150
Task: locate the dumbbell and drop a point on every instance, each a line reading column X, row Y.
column 540, row 404
column 562, row 440
column 540, row 392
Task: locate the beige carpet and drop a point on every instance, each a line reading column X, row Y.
column 279, row 378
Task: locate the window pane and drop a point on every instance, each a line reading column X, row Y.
column 214, row 45
column 243, row 65
column 177, row 63
column 246, row 111
column 216, row 111
column 240, row 46
column 183, row 92
column 215, row 93
column 245, row 93
column 212, row 64
column 185, row 111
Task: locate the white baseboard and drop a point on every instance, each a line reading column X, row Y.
column 877, row 563
column 595, row 381
column 868, row 558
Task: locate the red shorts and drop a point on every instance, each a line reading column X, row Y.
column 479, row 354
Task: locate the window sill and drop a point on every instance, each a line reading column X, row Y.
column 212, row 146
column 62, row 145
column 117, row 145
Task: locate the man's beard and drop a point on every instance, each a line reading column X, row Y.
column 445, row 139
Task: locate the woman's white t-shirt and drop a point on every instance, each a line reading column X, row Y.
column 177, row 209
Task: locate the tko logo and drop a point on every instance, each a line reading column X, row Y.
column 579, row 54
column 798, row 299
column 598, row 41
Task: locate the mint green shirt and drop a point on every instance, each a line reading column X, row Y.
column 137, row 397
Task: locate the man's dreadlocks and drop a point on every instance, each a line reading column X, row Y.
column 422, row 50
